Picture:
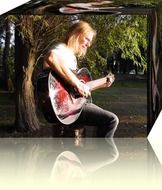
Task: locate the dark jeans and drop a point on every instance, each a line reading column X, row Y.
column 105, row 121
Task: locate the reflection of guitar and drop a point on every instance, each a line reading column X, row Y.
column 66, row 102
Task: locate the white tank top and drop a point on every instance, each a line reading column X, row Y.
column 67, row 55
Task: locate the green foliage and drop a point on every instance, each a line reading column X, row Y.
column 40, row 31
column 123, row 33
column 130, row 38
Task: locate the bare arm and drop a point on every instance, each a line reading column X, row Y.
column 57, row 64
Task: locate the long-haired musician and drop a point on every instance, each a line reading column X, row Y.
column 62, row 59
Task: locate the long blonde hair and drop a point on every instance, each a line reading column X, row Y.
column 74, row 33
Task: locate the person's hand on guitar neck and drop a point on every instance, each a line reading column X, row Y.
column 110, row 79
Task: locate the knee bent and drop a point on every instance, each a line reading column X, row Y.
column 115, row 120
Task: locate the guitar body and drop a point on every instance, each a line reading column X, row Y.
column 59, row 101
column 66, row 102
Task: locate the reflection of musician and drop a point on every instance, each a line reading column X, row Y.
column 30, row 162
column 62, row 60
column 75, row 166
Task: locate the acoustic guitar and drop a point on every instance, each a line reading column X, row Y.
column 67, row 104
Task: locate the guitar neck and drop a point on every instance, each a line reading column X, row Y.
column 96, row 84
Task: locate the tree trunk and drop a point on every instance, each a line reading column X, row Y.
column 6, row 54
column 26, row 118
